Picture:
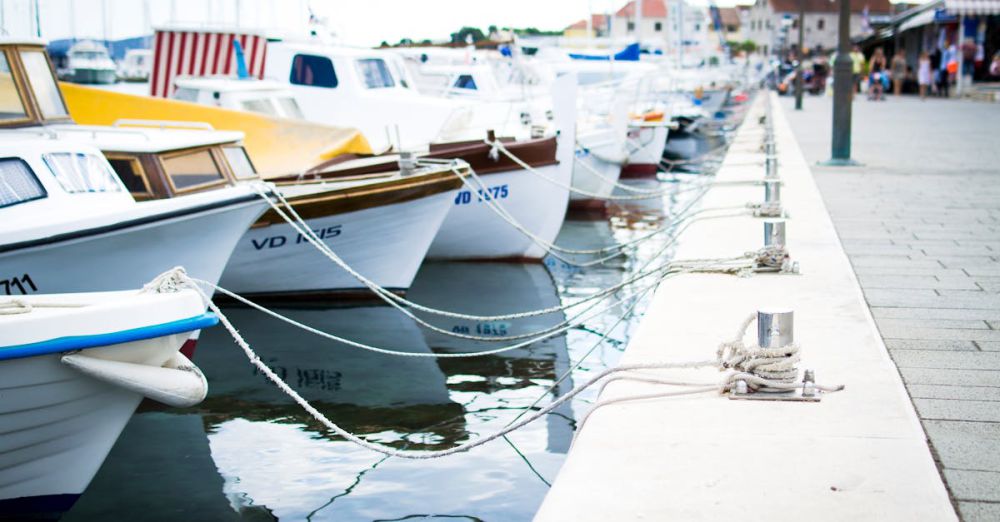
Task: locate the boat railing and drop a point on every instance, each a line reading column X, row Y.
column 163, row 124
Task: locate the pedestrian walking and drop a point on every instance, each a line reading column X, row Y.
column 878, row 71
column 898, row 72
column 924, row 74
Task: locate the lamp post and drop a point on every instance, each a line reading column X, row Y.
column 840, row 147
column 801, row 56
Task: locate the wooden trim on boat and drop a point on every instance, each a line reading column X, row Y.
column 340, row 200
column 225, row 176
column 537, row 153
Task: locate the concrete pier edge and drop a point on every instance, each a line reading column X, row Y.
column 860, row 454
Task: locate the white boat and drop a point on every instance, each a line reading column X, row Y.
column 88, row 62
column 646, row 140
column 68, row 224
column 259, row 96
column 136, row 66
column 73, row 368
column 600, row 156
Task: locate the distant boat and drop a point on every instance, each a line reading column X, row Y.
column 136, row 66
column 88, row 62
column 73, row 368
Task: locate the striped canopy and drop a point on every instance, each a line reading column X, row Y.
column 201, row 53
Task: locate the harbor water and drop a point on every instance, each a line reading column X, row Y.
column 248, row 452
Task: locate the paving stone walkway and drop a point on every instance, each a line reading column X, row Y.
column 920, row 222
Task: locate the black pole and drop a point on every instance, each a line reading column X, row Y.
column 840, row 149
column 800, row 55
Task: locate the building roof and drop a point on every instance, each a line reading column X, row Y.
column 596, row 21
column 826, row 6
column 650, row 9
column 730, row 16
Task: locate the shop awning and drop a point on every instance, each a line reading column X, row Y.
column 920, row 19
column 972, row 7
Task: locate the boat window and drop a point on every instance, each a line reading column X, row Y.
column 290, row 107
column 375, row 73
column 239, row 162
column 11, row 104
column 130, row 172
column 259, row 106
column 43, row 83
column 314, row 71
column 186, row 94
column 18, row 183
column 79, row 172
column 465, row 81
column 192, row 169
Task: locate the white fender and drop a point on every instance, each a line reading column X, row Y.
column 177, row 383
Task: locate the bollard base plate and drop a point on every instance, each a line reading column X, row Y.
column 835, row 162
column 786, row 396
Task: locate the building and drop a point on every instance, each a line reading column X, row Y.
column 654, row 21
column 599, row 26
column 774, row 23
column 731, row 22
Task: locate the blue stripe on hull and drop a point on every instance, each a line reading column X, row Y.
column 82, row 342
column 43, row 507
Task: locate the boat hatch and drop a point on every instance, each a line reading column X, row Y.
column 29, row 94
column 176, row 172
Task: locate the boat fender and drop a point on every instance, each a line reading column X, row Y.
column 178, row 383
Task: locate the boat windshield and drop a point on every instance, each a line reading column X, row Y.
column 188, row 170
column 290, row 107
column 239, row 162
column 43, row 84
column 11, row 104
column 375, row 73
column 260, row 106
column 89, row 55
column 79, row 172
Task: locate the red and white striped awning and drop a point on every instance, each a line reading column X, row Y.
column 201, row 53
column 972, row 7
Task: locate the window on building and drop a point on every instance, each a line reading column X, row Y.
column 697, row 27
column 192, row 169
column 314, row 71
column 631, row 26
column 18, row 183
column 43, row 84
column 795, row 23
column 769, row 24
column 658, row 26
column 11, row 105
column 79, row 172
column 129, row 170
column 820, row 24
column 375, row 73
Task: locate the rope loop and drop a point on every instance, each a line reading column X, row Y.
column 15, row 306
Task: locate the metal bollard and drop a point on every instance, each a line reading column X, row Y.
column 774, row 232
column 771, row 167
column 772, row 192
column 775, row 327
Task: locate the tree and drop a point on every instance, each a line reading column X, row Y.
column 460, row 36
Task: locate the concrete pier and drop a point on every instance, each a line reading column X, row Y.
column 860, row 454
column 920, row 221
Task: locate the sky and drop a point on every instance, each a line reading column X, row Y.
column 358, row 22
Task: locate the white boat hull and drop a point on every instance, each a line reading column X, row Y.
column 385, row 244
column 646, row 144
column 119, row 257
column 594, row 187
column 473, row 230
column 58, row 425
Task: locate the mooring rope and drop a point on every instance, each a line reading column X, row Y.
column 181, row 278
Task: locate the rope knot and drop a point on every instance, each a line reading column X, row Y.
column 173, row 280
column 774, row 259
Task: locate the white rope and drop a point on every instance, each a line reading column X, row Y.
column 16, row 306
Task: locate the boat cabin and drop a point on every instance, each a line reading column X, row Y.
column 362, row 88
column 153, row 159
column 261, row 96
column 158, row 163
column 43, row 180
